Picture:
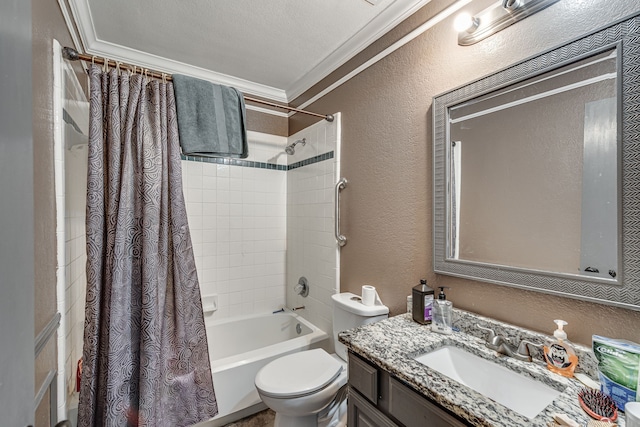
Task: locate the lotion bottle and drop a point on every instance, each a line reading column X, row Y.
column 559, row 352
column 442, row 313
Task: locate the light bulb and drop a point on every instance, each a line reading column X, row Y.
column 465, row 22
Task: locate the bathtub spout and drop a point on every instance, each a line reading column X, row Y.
column 279, row 311
column 298, row 308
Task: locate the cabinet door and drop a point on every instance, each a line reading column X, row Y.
column 361, row 413
column 413, row 410
column 364, row 378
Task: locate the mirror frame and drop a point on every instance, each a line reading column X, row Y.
column 622, row 36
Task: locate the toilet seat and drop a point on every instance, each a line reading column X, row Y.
column 298, row 374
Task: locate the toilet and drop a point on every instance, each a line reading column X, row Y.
column 308, row 388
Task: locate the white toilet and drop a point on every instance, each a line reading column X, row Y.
column 308, row 388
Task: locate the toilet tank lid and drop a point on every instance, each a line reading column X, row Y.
column 353, row 304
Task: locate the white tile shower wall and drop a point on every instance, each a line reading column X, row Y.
column 76, row 258
column 312, row 250
column 237, row 218
column 74, row 158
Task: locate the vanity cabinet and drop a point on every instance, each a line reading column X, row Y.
column 377, row 399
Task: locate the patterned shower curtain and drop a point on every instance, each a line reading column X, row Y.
column 145, row 358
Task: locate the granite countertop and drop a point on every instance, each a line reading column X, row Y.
column 393, row 343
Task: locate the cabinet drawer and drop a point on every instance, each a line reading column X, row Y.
column 361, row 413
column 413, row 410
column 363, row 377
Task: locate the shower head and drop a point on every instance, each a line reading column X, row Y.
column 290, row 149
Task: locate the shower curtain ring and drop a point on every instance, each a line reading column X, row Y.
column 105, row 66
column 164, row 78
column 93, row 59
column 118, row 66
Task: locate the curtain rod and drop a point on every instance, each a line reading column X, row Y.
column 71, row 54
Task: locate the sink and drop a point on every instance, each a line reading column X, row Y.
column 524, row 395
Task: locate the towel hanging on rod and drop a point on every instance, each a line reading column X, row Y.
column 71, row 54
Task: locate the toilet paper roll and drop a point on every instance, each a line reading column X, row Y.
column 632, row 414
column 369, row 295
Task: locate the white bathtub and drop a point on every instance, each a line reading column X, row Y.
column 240, row 346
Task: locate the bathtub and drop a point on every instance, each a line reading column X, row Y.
column 240, row 346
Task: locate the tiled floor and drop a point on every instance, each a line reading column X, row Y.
column 261, row 419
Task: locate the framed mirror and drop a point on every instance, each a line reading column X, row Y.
column 534, row 172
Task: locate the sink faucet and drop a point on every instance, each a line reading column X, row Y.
column 500, row 345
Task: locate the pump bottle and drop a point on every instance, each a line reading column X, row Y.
column 559, row 353
column 442, row 313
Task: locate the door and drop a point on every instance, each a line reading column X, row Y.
column 16, row 217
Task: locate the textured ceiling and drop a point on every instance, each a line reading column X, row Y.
column 284, row 45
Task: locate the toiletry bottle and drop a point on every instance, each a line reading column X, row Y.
column 442, row 313
column 422, row 297
column 559, row 353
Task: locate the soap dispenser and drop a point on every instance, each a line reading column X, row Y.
column 442, row 313
column 559, row 353
column 422, row 300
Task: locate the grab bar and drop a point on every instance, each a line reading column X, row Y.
column 342, row 240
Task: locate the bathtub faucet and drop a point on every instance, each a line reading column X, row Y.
column 279, row 311
column 298, row 308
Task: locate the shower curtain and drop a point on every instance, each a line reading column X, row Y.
column 145, row 357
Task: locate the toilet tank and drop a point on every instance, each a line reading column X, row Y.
column 349, row 312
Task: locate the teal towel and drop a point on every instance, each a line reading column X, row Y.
column 211, row 118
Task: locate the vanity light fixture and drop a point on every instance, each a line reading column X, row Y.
column 465, row 22
column 472, row 29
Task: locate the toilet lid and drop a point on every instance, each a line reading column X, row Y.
column 298, row 374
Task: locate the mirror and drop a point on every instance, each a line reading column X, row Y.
column 533, row 171
column 533, row 168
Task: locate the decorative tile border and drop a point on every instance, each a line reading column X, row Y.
column 234, row 162
column 312, row 160
column 258, row 165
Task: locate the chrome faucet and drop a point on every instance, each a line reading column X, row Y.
column 500, row 345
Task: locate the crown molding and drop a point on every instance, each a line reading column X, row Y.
column 84, row 22
column 394, row 14
column 380, row 25
column 68, row 20
column 431, row 22
column 94, row 46
column 169, row 66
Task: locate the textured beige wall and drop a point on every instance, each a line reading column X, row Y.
column 267, row 123
column 48, row 23
column 387, row 157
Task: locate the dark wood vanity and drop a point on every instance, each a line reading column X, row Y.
column 378, row 399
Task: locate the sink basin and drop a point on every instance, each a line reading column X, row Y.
column 524, row 395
